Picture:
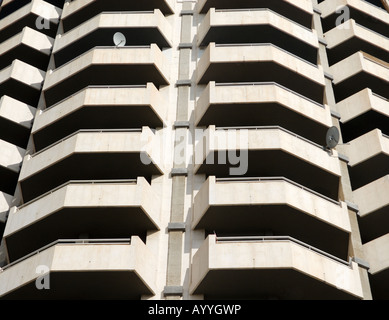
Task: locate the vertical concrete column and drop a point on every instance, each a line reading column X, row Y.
column 345, row 191
column 174, row 288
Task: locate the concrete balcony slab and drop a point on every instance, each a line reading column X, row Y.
column 89, row 155
column 107, row 66
column 260, row 63
column 270, row 269
column 139, row 28
column 363, row 12
column 100, row 107
column 15, row 120
column 108, row 269
column 360, row 71
column 28, row 15
column 351, row 37
column 363, row 112
column 262, row 104
column 368, row 156
column 267, row 152
column 77, row 12
column 118, row 208
column 300, row 11
column 22, row 82
column 258, row 26
column 29, row 46
column 276, row 205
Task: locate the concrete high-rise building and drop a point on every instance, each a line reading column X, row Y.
column 162, row 149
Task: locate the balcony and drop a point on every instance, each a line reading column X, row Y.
column 90, row 155
column 376, row 253
column 106, row 66
column 363, row 112
column 276, row 205
column 139, row 28
column 10, row 6
column 22, row 82
column 15, row 121
column 357, row 72
column 77, row 12
column 117, row 209
column 11, row 158
column 262, row 104
column 5, row 205
column 300, row 11
column 350, row 37
column 368, row 156
column 363, row 12
column 373, row 203
column 271, row 268
column 79, row 270
column 267, row 152
column 260, row 63
column 29, row 46
column 27, row 16
column 258, row 26
column 100, row 108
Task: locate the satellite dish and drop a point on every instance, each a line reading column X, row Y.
column 119, row 39
column 332, row 137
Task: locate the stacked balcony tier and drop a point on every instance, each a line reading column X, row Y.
column 270, row 268
column 99, row 269
column 117, row 209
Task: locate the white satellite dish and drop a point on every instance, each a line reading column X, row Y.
column 119, row 39
column 332, row 137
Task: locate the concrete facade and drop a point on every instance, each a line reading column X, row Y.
column 191, row 162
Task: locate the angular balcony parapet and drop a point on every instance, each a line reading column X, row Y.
column 363, row 112
column 350, row 37
column 33, row 14
column 363, row 12
column 90, row 155
column 300, row 11
column 5, row 205
column 266, row 267
column 107, row 66
column 22, row 81
column 29, row 46
column 77, row 12
column 272, row 204
column 258, row 25
column 15, row 121
column 11, row 158
column 100, row 107
column 118, row 208
column 260, row 62
column 264, row 151
column 139, row 28
column 369, row 158
column 262, row 103
column 373, row 204
column 83, row 269
column 377, row 255
column 360, row 71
